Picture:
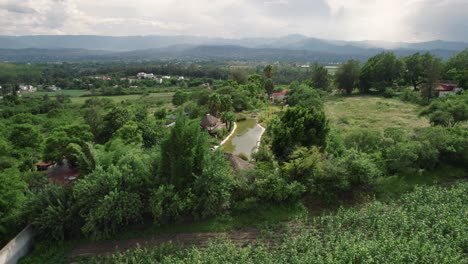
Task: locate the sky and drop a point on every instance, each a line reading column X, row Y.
column 385, row 20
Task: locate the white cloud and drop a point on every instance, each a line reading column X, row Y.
column 390, row 20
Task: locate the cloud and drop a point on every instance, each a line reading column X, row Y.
column 391, row 20
column 17, row 8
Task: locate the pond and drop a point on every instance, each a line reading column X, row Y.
column 245, row 138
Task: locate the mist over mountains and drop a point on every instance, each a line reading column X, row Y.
column 291, row 48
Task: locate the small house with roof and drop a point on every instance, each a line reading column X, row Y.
column 209, row 123
column 278, row 96
column 445, row 88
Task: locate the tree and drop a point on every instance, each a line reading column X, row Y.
column 380, row 71
column 347, row 76
column 113, row 121
column 269, row 87
column 58, row 141
column 298, row 126
column 320, row 78
column 304, row 96
column 183, row 154
column 456, row 68
column 228, row 118
column 130, row 133
column 268, row 71
column 179, row 98
column 414, row 70
column 26, row 136
column 214, row 104
column 432, row 72
column 447, row 111
column 238, row 74
column 12, row 190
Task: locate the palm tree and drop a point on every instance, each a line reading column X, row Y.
column 228, row 118
column 268, row 71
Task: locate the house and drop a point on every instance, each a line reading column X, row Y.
column 181, row 78
column 166, row 77
column 278, row 96
column 26, row 88
column 43, row 166
column 159, row 80
column 104, row 78
column 209, row 122
column 143, row 75
column 445, row 88
column 53, row 88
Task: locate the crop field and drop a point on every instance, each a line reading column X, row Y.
column 372, row 112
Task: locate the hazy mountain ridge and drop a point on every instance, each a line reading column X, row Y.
column 293, row 42
column 292, row 48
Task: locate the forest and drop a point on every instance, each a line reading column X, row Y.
column 365, row 164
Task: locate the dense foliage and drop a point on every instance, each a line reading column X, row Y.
column 427, row 225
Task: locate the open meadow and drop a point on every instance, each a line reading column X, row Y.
column 372, row 112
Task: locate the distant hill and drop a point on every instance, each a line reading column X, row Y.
column 128, row 43
column 296, row 48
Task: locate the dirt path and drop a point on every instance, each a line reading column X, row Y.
column 238, row 237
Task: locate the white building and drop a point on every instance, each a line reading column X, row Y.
column 143, row 75
column 181, row 78
column 53, row 88
column 26, row 88
column 166, row 77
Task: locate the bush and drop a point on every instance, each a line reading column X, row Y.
column 424, row 226
column 352, row 172
column 389, row 93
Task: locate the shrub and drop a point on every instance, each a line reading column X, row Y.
column 389, row 93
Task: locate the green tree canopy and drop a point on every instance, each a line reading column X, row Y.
column 347, row 76
column 298, row 126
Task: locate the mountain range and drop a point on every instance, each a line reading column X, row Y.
column 297, row 48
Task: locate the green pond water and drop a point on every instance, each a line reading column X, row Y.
column 245, row 138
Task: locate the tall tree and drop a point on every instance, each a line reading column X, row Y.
column 422, row 69
column 228, row 118
column 320, row 78
column 268, row 71
column 456, row 68
column 298, row 126
column 183, row 154
column 380, row 71
column 347, row 76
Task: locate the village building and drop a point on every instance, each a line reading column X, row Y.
column 210, row 123
column 445, row 88
column 53, row 88
column 143, row 75
column 278, row 96
column 26, row 88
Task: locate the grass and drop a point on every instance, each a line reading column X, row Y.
column 165, row 97
column 242, row 127
column 372, row 112
column 262, row 217
column 258, row 216
column 72, row 93
column 394, row 186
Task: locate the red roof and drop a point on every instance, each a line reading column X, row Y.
column 45, row 164
column 282, row 93
column 446, row 87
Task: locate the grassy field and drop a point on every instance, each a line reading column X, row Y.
column 164, row 97
column 372, row 112
column 73, row 93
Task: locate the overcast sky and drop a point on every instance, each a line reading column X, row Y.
column 389, row 20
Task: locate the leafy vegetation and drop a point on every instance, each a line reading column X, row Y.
column 423, row 226
column 146, row 159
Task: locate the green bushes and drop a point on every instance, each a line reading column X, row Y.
column 424, row 226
